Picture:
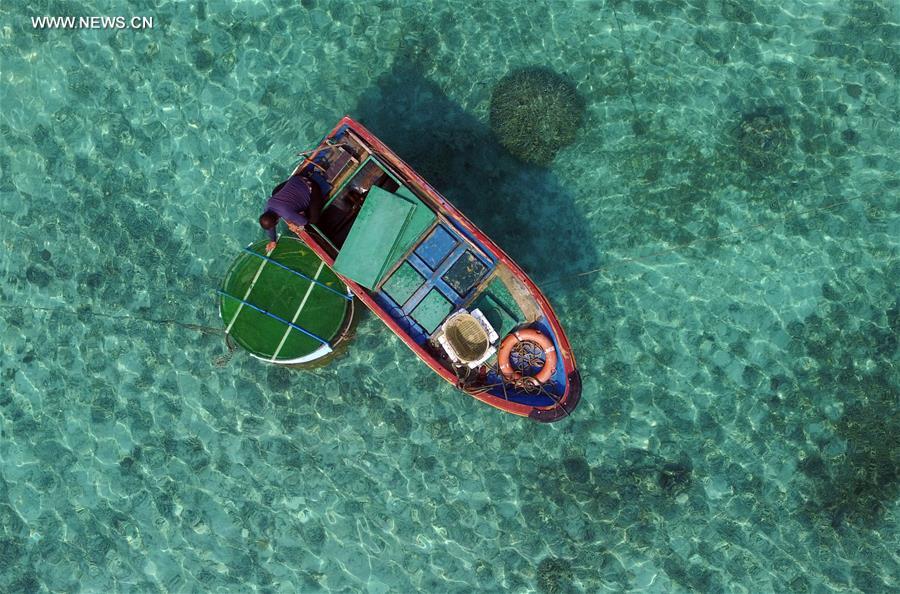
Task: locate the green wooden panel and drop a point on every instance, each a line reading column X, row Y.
column 464, row 273
column 376, row 230
column 403, row 283
column 432, row 310
column 419, row 222
column 499, row 307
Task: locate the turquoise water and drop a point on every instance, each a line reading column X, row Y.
column 733, row 190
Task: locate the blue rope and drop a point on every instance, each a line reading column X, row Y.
column 280, row 319
column 300, row 274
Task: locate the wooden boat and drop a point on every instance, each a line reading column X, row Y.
column 461, row 304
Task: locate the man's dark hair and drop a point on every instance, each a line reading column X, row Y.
column 268, row 220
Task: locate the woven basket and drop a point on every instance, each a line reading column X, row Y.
column 467, row 337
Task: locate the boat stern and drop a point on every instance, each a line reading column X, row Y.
column 566, row 404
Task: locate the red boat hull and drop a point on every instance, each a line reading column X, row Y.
column 572, row 393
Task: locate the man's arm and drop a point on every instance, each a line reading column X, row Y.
column 288, row 214
column 296, row 218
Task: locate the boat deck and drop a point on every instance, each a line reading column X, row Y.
column 433, row 281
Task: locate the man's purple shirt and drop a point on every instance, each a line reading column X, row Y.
column 287, row 203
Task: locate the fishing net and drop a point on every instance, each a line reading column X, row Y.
column 527, row 357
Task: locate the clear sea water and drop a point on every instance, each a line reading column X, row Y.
column 737, row 336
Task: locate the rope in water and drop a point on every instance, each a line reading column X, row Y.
column 627, row 59
column 220, row 361
column 86, row 312
column 586, row 273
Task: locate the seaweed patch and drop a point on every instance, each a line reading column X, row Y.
column 857, row 485
column 535, row 112
column 764, row 138
column 554, row 576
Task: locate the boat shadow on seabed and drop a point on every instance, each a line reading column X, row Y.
column 523, row 207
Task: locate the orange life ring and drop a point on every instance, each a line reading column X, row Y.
column 531, row 335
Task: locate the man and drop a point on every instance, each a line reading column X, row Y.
column 298, row 201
